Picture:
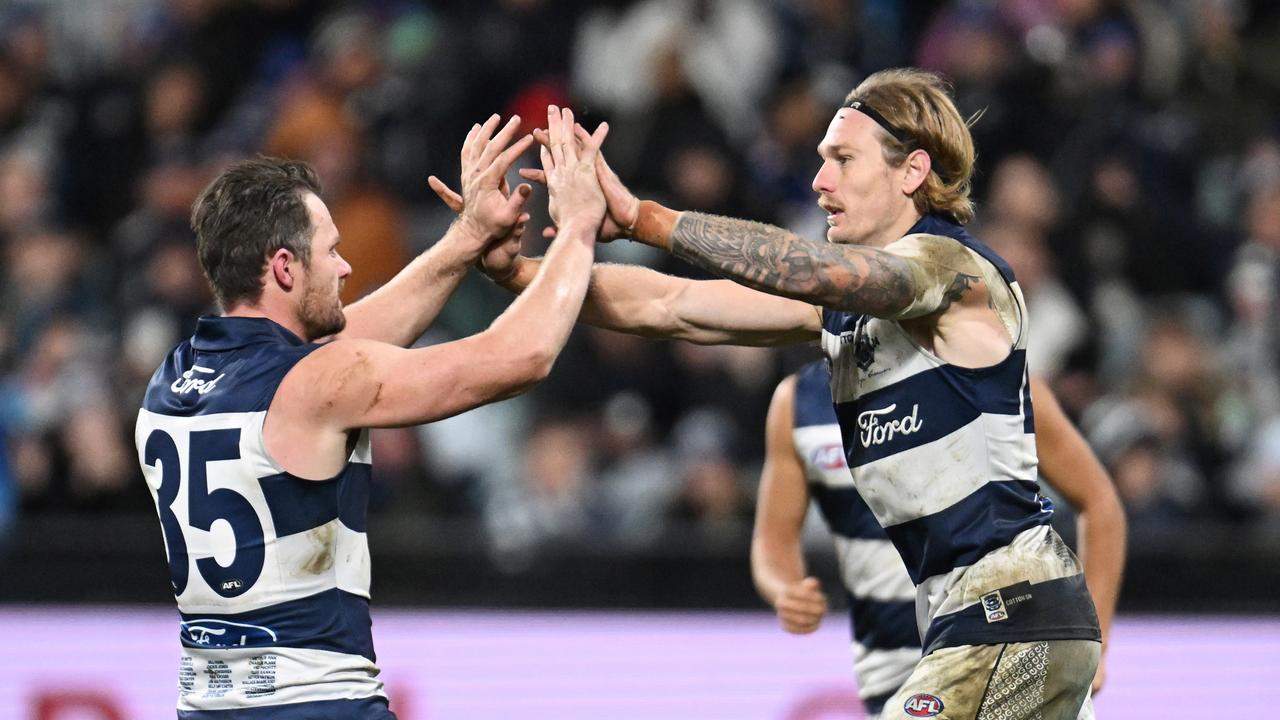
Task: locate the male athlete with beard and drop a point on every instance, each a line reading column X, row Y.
column 804, row 460
column 926, row 331
column 252, row 435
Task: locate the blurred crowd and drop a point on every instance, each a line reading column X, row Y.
column 1129, row 169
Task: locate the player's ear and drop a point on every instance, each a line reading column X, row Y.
column 917, row 168
column 282, row 269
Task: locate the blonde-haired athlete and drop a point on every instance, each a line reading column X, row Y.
column 926, row 331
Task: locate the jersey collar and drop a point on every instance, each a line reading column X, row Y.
column 215, row 333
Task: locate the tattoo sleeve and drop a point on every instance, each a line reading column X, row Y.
column 768, row 258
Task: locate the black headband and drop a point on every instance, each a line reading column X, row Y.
column 898, row 133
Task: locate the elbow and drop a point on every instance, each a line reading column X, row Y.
column 1112, row 508
column 539, row 362
column 518, row 363
column 1118, row 519
column 532, row 365
column 1106, row 512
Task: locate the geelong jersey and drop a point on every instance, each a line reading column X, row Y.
column 270, row 571
column 944, row 457
column 880, row 594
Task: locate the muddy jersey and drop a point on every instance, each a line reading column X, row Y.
column 944, row 457
column 881, row 596
column 270, row 571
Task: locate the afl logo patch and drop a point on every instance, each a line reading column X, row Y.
column 993, row 605
column 828, row 457
column 923, row 705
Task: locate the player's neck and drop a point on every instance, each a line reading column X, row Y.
column 895, row 230
column 280, row 313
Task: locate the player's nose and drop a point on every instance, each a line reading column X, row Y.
column 821, row 181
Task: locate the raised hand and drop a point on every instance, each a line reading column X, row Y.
column 623, row 206
column 801, row 606
column 486, row 206
column 569, row 169
column 498, row 261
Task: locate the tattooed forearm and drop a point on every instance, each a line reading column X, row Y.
column 768, row 258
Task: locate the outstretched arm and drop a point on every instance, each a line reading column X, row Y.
column 401, row 310
column 912, row 277
column 1068, row 463
column 777, row 557
column 352, row 384
column 640, row 301
column 768, row 258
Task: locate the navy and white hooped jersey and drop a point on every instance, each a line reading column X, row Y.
column 881, row 596
column 270, row 571
column 945, row 458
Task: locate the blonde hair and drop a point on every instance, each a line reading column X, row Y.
column 917, row 104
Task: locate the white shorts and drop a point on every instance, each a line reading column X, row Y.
column 1048, row 679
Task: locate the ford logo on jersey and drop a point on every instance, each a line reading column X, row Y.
column 207, row 632
column 201, row 385
column 923, row 705
column 876, row 429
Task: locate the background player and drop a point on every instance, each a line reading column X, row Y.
column 926, row 328
column 804, row 458
column 252, row 435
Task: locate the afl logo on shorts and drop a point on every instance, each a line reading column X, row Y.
column 922, row 705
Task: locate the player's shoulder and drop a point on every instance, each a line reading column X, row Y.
column 933, row 249
column 335, row 374
column 333, row 364
column 785, row 392
column 812, row 395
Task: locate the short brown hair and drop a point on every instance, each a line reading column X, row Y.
column 254, row 208
column 918, row 104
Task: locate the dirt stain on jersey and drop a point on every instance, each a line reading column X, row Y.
column 1034, row 556
column 321, row 540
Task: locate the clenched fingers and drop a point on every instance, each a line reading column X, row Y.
column 801, row 606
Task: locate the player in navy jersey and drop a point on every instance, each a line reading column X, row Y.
column 926, row 330
column 253, row 434
column 805, row 459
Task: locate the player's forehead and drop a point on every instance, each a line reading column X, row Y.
column 848, row 130
column 321, row 220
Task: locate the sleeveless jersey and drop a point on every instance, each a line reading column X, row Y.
column 944, row 457
column 880, row 594
column 270, row 571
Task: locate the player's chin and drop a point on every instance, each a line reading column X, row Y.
column 836, row 236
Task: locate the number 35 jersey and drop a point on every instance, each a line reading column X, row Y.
column 270, row 571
